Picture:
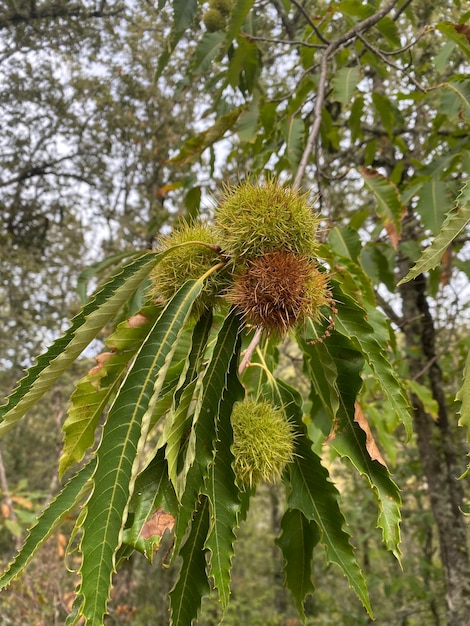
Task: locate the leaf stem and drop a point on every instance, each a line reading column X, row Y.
column 249, row 351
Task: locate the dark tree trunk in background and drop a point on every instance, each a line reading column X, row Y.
column 441, row 461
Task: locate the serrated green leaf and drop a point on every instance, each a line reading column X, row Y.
column 388, row 27
column 321, row 370
column 53, row 515
column 238, row 14
column 350, row 440
column 312, row 493
column 455, row 99
column 344, row 83
column 345, row 241
column 123, row 435
column 449, row 31
column 456, row 221
column 425, row 397
column 94, row 390
column 389, row 205
column 385, row 112
column 177, row 423
column 192, row 584
column 297, row 541
column 247, row 124
column 244, row 65
column 363, row 327
column 152, row 490
column 203, row 434
column 94, row 270
column 221, row 489
column 63, row 352
column 183, row 13
column 206, row 51
column 433, row 203
column 294, row 136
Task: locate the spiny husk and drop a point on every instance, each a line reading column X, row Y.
column 224, row 6
column 263, row 442
column 279, row 290
column 255, row 218
column 214, row 20
column 189, row 262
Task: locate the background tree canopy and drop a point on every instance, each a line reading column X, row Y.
column 119, row 119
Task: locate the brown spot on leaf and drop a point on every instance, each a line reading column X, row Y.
column 100, row 360
column 371, row 446
column 137, row 320
column 463, row 29
column 156, row 525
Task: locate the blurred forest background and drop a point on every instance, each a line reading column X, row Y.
column 107, row 140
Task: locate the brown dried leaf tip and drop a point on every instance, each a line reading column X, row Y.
column 279, row 290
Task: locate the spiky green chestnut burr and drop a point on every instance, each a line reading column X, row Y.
column 255, row 218
column 214, row 20
column 263, row 442
column 224, row 6
column 280, row 290
column 188, row 262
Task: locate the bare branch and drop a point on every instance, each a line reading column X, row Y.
column 332, row 46
column 383, row 57
column 286, row 42
column 311, row 23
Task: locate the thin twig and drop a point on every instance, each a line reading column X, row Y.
column 249, row 351
column 381, row 56
column 311, row 23
column 332, row 46
column 285, row 42
column 390, row 53
column 389, row 312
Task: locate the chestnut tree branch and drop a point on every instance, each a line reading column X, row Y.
column 322, row 81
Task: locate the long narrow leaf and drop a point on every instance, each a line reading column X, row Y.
column 93, row 391
column 363, row 327
column 116, row 455
column 152, row 491
column 312, row 492
column 53, row 515
column 455, row 222
column 177, row 422
column 63, row 352
column 297, row 541
column 350, row 441
column 204, row 427
column 192, row 584
column 183, row 12
column 389, row 205
column 344, row 83
column 224, row 498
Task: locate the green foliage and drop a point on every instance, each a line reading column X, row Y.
column 351, row 98
column 456, row 220
column 297, row 541
column 197, row 468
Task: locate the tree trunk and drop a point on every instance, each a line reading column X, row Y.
column 440, row 460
